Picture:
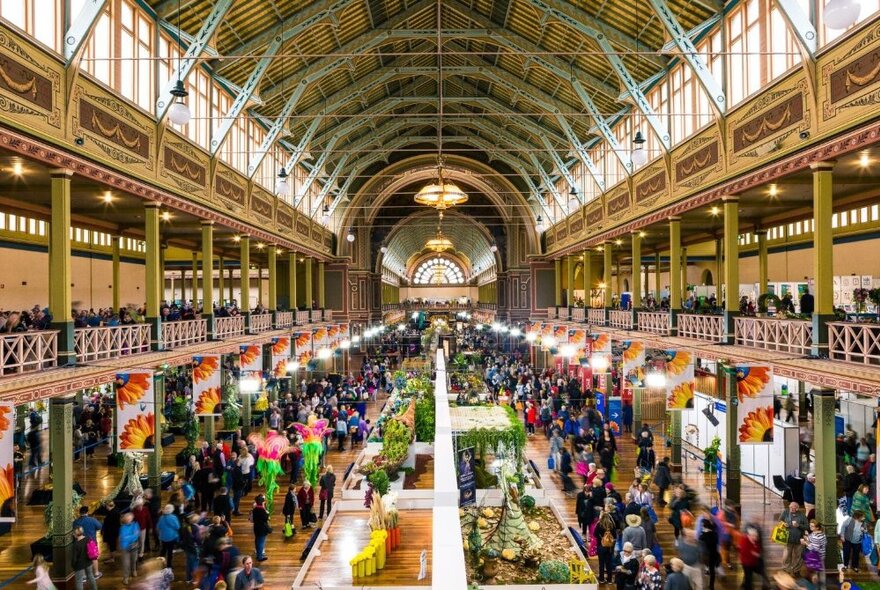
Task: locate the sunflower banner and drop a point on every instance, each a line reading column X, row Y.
column 578, row 338
column 754, row 410
column 633, row 363
column 7, row 462
column 333, row 338
column 680, row 382
column 319, row 338
column 344, row 332
column 600, row 344
column 280, row 356
column 546, row 330
column 135, row 411
column 250, row 357
column 560, row 332
column 302, row 347
column 206, row 390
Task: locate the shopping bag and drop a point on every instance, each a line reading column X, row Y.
column 779, row 534
column 652, row 513
column 813, row 560
column 551, row 463
column 867, row 544
column 288, row 530
column 875, row 559
column 657, row 552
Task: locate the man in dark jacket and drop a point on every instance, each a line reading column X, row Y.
column 290, row 506
column 260, row 518
column 82, row 565
column 663, row 479
column 223, row 505
column 110, row 530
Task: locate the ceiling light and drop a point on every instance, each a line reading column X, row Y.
column 618, row 242
column 714, row 211
column 841, row 14
column 166, row 216
column 441, row 195
column 493, row 247
column 324, row 353
column 350, row 236
column 282, row 188
column 236, row 239
column 107, row 197
column 383, row 248
column 260, row 246
column 865, row 159
column 638, row 155
column 641, row 234
column 179, row 112
column 325, row 214
column 540, row 225
column 279, row 251
column 439, row 243
column 17, row 169
column 601, row 285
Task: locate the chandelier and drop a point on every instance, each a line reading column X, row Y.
column 439, row 243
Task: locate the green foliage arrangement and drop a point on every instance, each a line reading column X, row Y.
column 380, row 482
column 765, row 300
column 425, row 419
column 231, row 406
column 527, row 503
column 710, row 455
column 553, row 571
column 487, row 439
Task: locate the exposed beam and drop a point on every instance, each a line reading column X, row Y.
column 563, row 169
column 185, row 37
column 801, row 25
column 548, row 183
column 193, row 52
column 80, row 29
column 582, row 153
column 329, row 184
column 316, row 171
column 302, row 145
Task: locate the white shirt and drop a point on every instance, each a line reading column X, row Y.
column 245, row 463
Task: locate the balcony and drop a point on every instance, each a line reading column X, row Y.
column 96, row 344
column 28, row 351
column 302, row 317
column 562, row 313
column 551, row 313
column 854, row 343
column 315, row 315
column 795, row 336
column 177, row 334
column 709, row 328
column 228, row 327
column 328, row 315
column 596, row 317
column 283, row 319
column 656, row 322
column 578, row 314
column 260, row 323
column 618, row 318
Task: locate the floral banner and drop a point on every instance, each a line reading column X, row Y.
column 7, row 462
column 633, row 363
column 250, row 357
column 206, row 385
column 577, row 337
column 754, row 410
column 344, row 332
column 135, row 411
column 280, row 356
column 600, row 344
column 680, row 383
column 333, row 338
column 302, row 351
column 546, row 330
column 319, row 338
column 560, row 332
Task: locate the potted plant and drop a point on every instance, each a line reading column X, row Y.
column 710, row 455
column 766, row 301
column 490, row 564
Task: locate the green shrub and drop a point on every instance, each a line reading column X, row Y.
column 527, row 503
column 553, row 572
column 380, row 482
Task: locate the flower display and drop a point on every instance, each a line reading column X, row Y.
column 312, row 446
column 204, row 367
column 633, row 350
column 7, row 483
column 600, row 342
column 750, row 381
column 757, row 427
column 208, row 401
column 681, row 397
column 270, row 449
column 249, row 354
column 280, row 346
column 5, row 415
column 130, row 388
column 677, row 362
column 139, row 433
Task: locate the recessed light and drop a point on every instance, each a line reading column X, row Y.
column 166, row 216
column 714, row 211
column 107, row 197
column 18, row 169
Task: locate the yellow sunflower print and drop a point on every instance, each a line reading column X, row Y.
column 208, row 401
column 677, row 362
column 130, row 387
column 600, row 342
column 302, row 339
column 7, row 483
column 280, row 369
column 681, row 397
column 249, row 354
column 757, row 427
column 633, row 351
column 139, row 433
column 204, row 367
column 5, row 414
column 750, row 381
column 280, row 346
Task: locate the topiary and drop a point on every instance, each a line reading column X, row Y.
column 553, row 571
column 765, row 300
column 527, row 503
column 380, row 482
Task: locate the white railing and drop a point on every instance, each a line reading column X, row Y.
column 260, row 323
column 28, row 351
column 656, row 322
column 551, row 313
column 562, row 313
column 283, row 319
column 578, row 314
column 701, row 327
column 228, row 327
column 854, row 343
column 328, row 315
column 794, row 336
column 315, row 315
column 93, row 344
column 596, row 316
column 302, row 317
column 618, row 318
column 175, row 334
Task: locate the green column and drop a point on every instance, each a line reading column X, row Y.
column 569, row 280
column 657, row 276
column 245, row 303
column 726, row 384
column 292, row 280
column 272, row 264
column 114, row 241
column 823, row 258
column 731, row 253
column 606, row 273
column 60, row 298
column 195, row 279
column 636, row 284
column 259, row 284
column 151, row 273
column 763, row 275
column 321, row 300
column 231, row 281
column 675, row 254
column 61, row 456
column 638, row 393
column 557, row 289
column 675, row 454
column 154, row 459
column 588, row 277
column 309, row 294
column 826, row 469
column 221, row 280
column 208, row 275
column 684, row 273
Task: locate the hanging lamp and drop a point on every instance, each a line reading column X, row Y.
column 178, row 111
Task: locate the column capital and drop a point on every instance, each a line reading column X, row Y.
column 826, row 166
column 152, row 205
column 61, row 173
column 207, row 222
column 674, row 218
column 823, row 391
column 730, row 199
column 244, row 238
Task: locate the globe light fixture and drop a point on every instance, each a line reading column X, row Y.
column 178, row 112
column 250, row 384
column 599, row 363
column 841, row 14
column 531, row 337
column 325, row 214
column 282, row 187
column 293, row 366
column 540, row 225
column 638, row 156
column 350, row 236
column 549, row 341
column 567, row 350
column 324, row 353
column 493, row 248
column 516, row 332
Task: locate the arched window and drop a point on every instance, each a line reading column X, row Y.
column 438, row 271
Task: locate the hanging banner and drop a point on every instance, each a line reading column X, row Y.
column 633, row 363
column 333, row 338
column 546, row 330
column 250, row 357
column 280, row 356
column 344, row 332
column 560, row 332
column 135, row 411
column 467, row 479
column 679, row 380
column 207, row 395
column 754, row 412
column 319, row 339
column 577, row 337
column 600, row 344
column 7, row 462
column 302, row 343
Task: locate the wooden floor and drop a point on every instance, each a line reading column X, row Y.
column 350, row 531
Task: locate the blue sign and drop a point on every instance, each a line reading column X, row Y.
column 720, row 407
column 615, row 414
column 838, row 425
column 600, row 402
column 718, row 467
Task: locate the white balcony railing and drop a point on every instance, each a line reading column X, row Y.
column 260, row 323
column 562, row 313
column 701, row 327
column 596, row 316
column 28, row 351
column 328, row 315
column 228, row 327
column 177, row 334
column 656, row 322
column 302, row 317
column 551, row 313
column 618, row 318
column 578, row 314
column 854, row 343
column 795, row 336
column 316, row 315
column 95, row 344
column 283, row 319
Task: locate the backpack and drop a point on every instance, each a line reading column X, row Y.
column 608, row 539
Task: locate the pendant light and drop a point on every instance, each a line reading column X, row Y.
column 841, row 14
column 282, row 187
column 178, row 111
column 350, row 236
column 540, row 225
column 638, row 156
column 325, row 214
column 573, row 201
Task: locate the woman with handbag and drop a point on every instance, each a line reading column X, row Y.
column 814, row 554
column 327, row 483
column 260, row 518
column 289, row 510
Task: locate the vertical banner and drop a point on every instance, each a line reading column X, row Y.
column 7, row 462
column 135, row 411
column 600, row 344
column 280, row 356
column 577, row 337
column 560, row 332
column 754, row 412
column 679, row 380
column 633, row 364
column 250, row 357
column 206, row 391
column 333, row 338
column 302, row 342
column 319, row 339
column 546, row 330
column 615, row 415
column 344, row 332
column 467, row 479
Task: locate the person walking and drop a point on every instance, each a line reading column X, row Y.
column 709, row 545
column 249, row 578
column 751, row 557
column 129, row 544
column 851, row 536
column 90, row 526
column 327, row 483
column 606, row 537
column 190, row 542
column 290, row 506
column 81, row 562
column 663, row 479
column 676, row 580
column 305, row 497
column 625, row 573
column 41, row 574
column 168, row 529
column 798, row 526
column 260, row 518
column 110, row 530
column 689, row 553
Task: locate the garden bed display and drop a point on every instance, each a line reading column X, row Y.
column 485, row 427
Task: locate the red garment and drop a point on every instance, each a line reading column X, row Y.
column 749, row 552
column 305, row 498
column 142, row 517
column 532, row 414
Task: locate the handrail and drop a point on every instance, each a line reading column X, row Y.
column 28, row 351
column 701, row 327
column 260, row 323
column 302, row 317
column 578, row 314
column 656, row 322
column 175, row 334
column 283, row 319
column 618, row 318
column 551, row 313
column 854, row 343
column 228, row 327
column 596, row 316
column 782, row 335
column 107, row 342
